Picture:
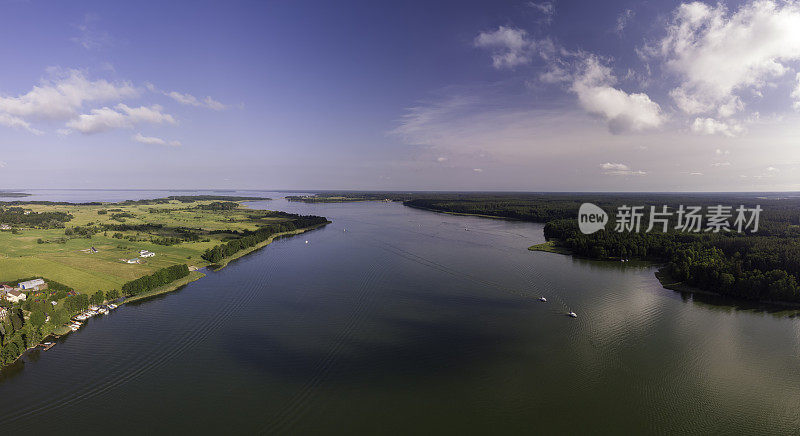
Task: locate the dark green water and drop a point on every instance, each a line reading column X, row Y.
column 407, row 323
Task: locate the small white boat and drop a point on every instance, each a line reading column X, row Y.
column 572, row 315
column 103, row 311
column 543, row 300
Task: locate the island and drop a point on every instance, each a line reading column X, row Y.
column 348, row 197
column 61, row 263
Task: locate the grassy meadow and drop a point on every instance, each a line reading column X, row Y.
column 66, row 258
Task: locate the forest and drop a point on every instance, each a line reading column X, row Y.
column 252, row 238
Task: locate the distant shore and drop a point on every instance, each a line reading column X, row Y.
column 495, row 217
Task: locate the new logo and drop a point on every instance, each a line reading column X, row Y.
column 591, row 218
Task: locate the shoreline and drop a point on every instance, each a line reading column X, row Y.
column 193, row 276
column 222, row 264
column 169, row 287
column 495, row 217
column 666, row 281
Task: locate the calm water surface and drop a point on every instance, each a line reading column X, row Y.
column 407, row 322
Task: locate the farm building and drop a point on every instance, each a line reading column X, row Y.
column 32, row 285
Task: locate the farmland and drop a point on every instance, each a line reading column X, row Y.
column 89, row 252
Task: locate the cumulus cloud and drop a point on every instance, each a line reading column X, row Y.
column 510, row 47
column 189, row 99
column 119, row 117
column 622, row 111
column 719, row 54
column 620, row 169
column 154, row 140
column 710, row 126
column 60, row 97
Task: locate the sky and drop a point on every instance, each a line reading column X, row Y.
column 416, row 95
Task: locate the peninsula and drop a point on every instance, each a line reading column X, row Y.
column 59, row 259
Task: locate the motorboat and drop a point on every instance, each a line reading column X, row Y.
column 543, row 300
column 572, row 315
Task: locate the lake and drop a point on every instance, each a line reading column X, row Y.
column 396, row 320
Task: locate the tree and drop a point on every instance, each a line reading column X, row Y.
column 98, row 297
column 38, row 318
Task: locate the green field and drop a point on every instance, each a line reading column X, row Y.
column 550, row 247
column 65, row 258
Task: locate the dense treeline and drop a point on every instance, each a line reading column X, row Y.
column 18, row 216
column 191, row 199
column 219, row 205
column 158, row 278
column 250, row 239
column 762, row 266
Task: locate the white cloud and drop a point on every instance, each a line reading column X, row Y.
column 721, row 152
column 154, row 140
column 620, row 169
column 478, row 170
column 696, row 173
column 120, row 117
column 61, row 97
column 91, row 38
column 721, row 164
column 622, row 111
column 796, row 92
column 710, row 126
column 772, row 169
column 16, row 122
column 547, row 9
column 719, row 54
column 622, row 20
column 510, row 47
column 441, row 159
column 419, row 125
column 189, row 99
column 2, row 164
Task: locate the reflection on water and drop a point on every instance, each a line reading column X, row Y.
column 406, row 322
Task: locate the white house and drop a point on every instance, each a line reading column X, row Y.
column 145, row 253
column 31, row 285
column 15, row 296
column 5, row 227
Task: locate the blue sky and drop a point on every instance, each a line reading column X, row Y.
column 492, row 95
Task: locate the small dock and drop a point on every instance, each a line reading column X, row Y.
column 47, row 345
